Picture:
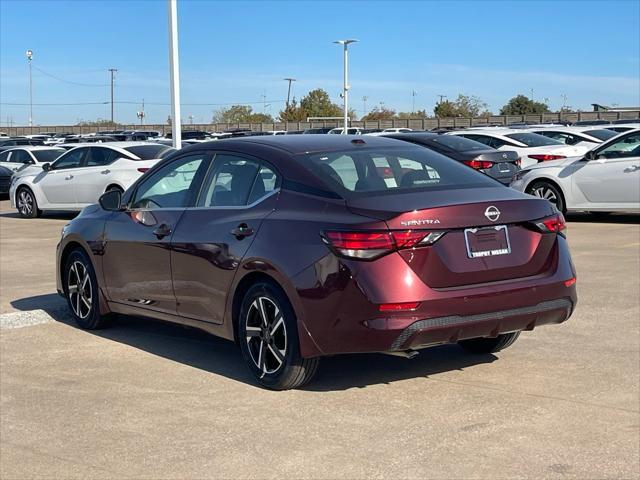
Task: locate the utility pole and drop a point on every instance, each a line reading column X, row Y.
column 345, row 84
column 564, row 101
column 364, row 105
column 174, row 69
column 29, row 58
column 141, row 114
column 289, row 89
column 413, row 103
column 531, row 94
column 112, row 71
column 441, row 97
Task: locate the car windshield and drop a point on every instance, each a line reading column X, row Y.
column 47, row 155
column 364, row 171
column 533, row 139
column 601, row 134
column 150, row 152
column 459, row 144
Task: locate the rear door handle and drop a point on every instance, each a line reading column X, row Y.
column 632, row 168
column 162, row 231
column 241, row 231
column 68, row 177
column 104, row 172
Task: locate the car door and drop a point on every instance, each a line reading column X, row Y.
column 57, row 184
column 137, row 261
column 93, row 178
column 613, row 176
column 212, row 238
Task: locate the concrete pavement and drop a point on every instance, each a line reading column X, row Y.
column 151, row 400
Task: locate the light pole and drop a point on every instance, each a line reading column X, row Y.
column 112, row 71
column 174, row 69
column 289, row 90
column 413, row 103
column 364, row 105
column 29, row 58
column 345, row 85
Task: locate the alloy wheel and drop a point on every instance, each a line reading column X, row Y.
column 79, row 288
column 25, row 203
column 546, row 193
column 266, row 335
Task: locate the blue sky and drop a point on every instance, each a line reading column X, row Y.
column 236, row 52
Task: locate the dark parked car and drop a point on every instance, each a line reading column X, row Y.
column 316, row 131
column 190, row 135
column 295, row 247
column 5, row 180
column 500, row 165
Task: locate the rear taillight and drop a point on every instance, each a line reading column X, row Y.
column 546, row 158
column 370, row 245
column 518, row 161
column 143, row 169
column 478, row 164
column 571, row 281
column 554, row 224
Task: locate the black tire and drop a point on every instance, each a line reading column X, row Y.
column 548, row 191
column 26, row 203
column 280, row 365
column 84, row 299
column 489, row 345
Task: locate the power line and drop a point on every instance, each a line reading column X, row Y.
column 127, row 102
column 68, row 81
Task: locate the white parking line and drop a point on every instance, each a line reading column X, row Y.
column 24, row 319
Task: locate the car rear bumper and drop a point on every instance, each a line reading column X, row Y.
column 433, row 331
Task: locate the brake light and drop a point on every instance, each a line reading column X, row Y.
column 546, row 158
column 518, row 161
column 143, row 169
column 398, row 307
column 373, row 244
column 571, row 281
column 478, row 164
column 553, row 224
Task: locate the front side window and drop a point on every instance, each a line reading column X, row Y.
column 603, row 134
column 173, row 186
column 237, row 181
column 71, row 159
column 532, row 139
column 623, row 148
column 562, row 137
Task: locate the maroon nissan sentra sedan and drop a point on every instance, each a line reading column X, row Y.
column 296, row 247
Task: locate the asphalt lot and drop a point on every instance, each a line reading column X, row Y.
column 152, row 400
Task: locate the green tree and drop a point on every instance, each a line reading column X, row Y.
column 240, row 114
column 418, row 114
column 293, row 113
column 463, row 106
column 318, row 104
column 380, row 113
column 522, row 105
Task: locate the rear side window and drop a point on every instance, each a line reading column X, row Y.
column 601, row 134
column 533, row 139
column 237, row 181
column 458, row 143
column 150, row 152
column 486, row 140
column 98, row 157
column 364, row 171
column 47, row 155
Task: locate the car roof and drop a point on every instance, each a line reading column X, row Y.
column 32, row 148
column 296, row 144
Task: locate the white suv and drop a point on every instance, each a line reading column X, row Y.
column 81, row 175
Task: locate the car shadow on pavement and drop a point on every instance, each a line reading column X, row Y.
column 584, row 217
column 201, row 350
column 49, row 214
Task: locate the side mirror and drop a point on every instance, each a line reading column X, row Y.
column 591, row 155
column 46, row 167
column 111, row 201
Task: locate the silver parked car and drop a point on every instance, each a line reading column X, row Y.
column 605, row 179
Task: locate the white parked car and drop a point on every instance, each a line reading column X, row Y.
column 78, row 177
column 350, row 131
column 18, row 157
column 623, row 127
column 606, row 179
column 388, row 131
column 531, row 147
column 587, row 136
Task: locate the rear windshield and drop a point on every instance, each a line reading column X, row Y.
column 47, row 155
column 364, row 171
column 150, row 152
column 601, row 134
column 533, row 139
column 459, row 144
